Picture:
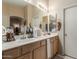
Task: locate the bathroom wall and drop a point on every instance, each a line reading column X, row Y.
column 5, row 15
column 11, row 10
column 57, row 7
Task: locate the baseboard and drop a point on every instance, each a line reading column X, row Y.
column 70, row 56
column 54, row 56
column 60, row 56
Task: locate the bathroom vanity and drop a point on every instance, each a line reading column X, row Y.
column 36, row 50
column 33, row 48
column 30, row 25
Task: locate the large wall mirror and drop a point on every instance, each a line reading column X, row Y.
column 52, row 23
column 19, row 13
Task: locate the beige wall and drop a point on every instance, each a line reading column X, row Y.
column 16, row 10
column 10, row 10
column 29, row 13
column 57, row 6
column 5, row 15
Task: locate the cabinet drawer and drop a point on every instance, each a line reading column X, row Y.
column 27, row 48
column 7, row 57
column 36, row 45
column 12, row 53
column 52, row 39
column 43, row 42
column 30, row 47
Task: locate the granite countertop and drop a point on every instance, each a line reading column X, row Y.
column 20, row 42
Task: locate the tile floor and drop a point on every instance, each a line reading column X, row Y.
column 62, row 57
column 67, row 57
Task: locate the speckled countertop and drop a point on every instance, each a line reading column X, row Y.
column 20, row 42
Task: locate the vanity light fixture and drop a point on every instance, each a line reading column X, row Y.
column 38, row 5
column 41, row 5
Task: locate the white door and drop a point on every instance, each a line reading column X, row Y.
column 71, row 31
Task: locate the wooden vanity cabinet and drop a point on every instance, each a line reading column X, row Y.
column 54, row 46
column 36, row 50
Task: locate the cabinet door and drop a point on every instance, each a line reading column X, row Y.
column 26, row 56
column 40, row 53
column 22, row 57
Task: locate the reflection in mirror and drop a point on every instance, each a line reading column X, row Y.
column 52, row 23
column 15, row 23
column 37, row 18
column 24, row 18
column 45, row 23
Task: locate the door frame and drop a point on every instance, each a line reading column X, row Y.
column 64, row 27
